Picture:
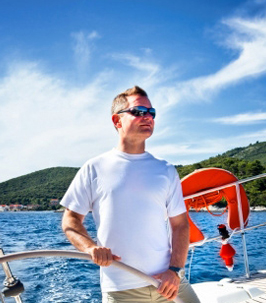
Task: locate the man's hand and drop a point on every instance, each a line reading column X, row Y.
column 169, row 284
column 102, row 256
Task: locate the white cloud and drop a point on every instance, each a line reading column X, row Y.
column 193, row 151
column 248, row 37
column 243, row 119
column 150, row 68
column 93, row 35
column 47, row 122
column 83, row 47
column 147, row 50
column 150, row 75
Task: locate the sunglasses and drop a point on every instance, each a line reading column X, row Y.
column 139, row 111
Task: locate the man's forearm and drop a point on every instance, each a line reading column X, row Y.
column 76, row 233
column 180, row 244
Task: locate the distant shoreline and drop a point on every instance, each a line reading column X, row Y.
column 220, row 210
column 211, row 209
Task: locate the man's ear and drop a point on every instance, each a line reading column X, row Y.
column 116, row 121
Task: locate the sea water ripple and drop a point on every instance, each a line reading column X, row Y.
column 63, row 280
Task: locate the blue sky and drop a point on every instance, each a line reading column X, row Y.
column 203, row 64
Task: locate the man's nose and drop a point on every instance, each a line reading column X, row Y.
column 148, row 116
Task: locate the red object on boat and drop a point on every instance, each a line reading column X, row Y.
column 227, row 253
column 207, row 179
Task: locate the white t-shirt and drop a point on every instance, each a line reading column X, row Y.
column 131, row 197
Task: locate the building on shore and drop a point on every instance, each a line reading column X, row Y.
column 4, row 207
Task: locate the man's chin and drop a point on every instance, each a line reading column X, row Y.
column 147, row 132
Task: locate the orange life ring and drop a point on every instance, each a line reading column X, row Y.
column 208, row 178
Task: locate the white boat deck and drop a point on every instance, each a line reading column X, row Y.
column 257, row 280
column 240, row 290
column 259, row 299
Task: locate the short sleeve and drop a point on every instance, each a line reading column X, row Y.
column 78, row 196
column 175, row 201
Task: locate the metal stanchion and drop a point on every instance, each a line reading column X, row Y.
column 13, row 286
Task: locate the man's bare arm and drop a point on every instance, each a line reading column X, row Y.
column 180, row 240
column 72, row 225
column 180, row 244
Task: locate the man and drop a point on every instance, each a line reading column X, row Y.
column 132, row 196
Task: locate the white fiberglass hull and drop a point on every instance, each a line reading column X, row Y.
column 237, row 291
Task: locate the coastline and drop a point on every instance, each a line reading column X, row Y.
column 220, row 210
column 211, row 209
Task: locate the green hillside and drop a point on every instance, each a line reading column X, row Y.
column 40, row 187
column 252, row 152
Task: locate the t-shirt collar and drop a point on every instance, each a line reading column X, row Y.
column 131, row 156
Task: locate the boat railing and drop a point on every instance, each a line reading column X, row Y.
column 242, row 228
column 219, row 238
column 4, row 259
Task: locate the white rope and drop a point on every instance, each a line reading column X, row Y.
column 190, row 263
column 1, row 298
column 232, row 234
column 199, row 243
column 79, row 255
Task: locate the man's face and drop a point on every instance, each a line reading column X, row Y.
column 137, row 128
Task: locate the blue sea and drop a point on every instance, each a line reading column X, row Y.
column 77, row 281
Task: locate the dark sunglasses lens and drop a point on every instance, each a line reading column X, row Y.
column 142, row 111
column 152, row 112
column 135, row 112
